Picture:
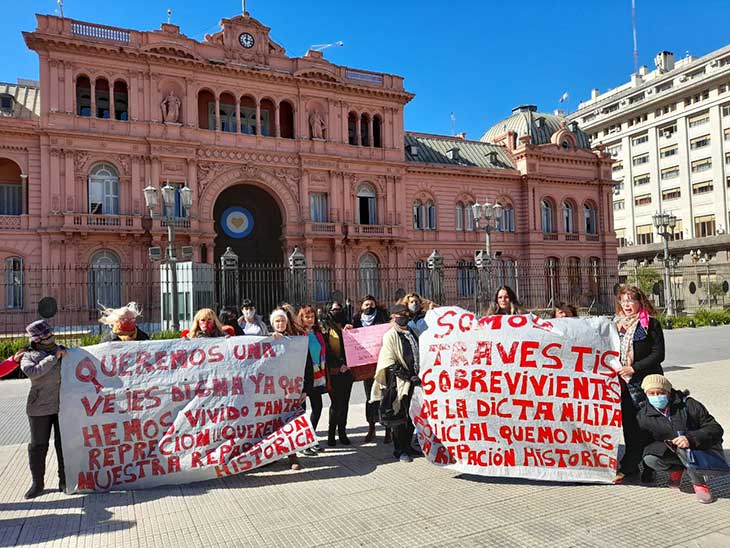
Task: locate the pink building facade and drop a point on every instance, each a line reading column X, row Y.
column 279, row 152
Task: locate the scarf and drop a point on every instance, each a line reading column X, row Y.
column 317, row 353
column 367, row 319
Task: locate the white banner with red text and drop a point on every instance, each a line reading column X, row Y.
column 141, row 414
column 519, row 396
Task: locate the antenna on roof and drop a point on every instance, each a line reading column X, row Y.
column 169, row 15
column 633, row 28
column 320, row 47
column 453, row 124
column 60, row 7
column 243, row 8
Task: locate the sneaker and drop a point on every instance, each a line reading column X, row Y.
column 703, row 493
column 675, row 478
column 309, row 452
column 405, row 457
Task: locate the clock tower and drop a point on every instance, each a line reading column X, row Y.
column 246, row 40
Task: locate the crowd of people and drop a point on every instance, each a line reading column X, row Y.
column 659, row 422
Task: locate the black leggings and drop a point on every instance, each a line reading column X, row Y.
column 340, row 398
column 40, row 435
column 315, row 400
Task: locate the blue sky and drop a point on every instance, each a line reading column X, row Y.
column 477, row 59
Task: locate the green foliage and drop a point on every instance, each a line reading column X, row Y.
column 702, row 318
column 644, row 278
column 8, row 347
column 164, row 335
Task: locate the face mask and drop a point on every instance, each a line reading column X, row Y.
column 127, row 325
column 249, row 314
column 338, row 316
column 47, row 343
column 368, row 311
column 659, row 402
column 206, row 325
column 402, row 321
column 414, row 307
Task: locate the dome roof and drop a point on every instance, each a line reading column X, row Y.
column 525, row 120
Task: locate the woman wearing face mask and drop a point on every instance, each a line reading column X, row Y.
column 674, row 419
column 205, row 324
column 371, row 314
column 417, row 307
column 123, row 323
column 398, row 360
column 642, row 353
column 338, row 374
column 283, row 327
column 505, row 302
column 250, row 322
column 315, row 372
column 42, row 365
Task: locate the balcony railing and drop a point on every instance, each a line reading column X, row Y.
column 549, row 235
column 98, row 222
column 314, row 227
column 570, row 237
column 13, row 222
column 592, row 237
column 177, row 222
column 100, row 32
column 372, row 231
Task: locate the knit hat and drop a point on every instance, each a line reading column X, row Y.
column 276, row 314
column 656, row 382
column 39, row 330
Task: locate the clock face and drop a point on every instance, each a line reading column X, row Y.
column 246, row 40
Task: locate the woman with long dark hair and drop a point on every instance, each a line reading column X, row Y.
column 339, row 375
column 642, row 353
column 505, row 302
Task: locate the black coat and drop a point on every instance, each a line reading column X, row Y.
column 113, row 337
column 648, row 352
column 380, row 317
column 701, row 428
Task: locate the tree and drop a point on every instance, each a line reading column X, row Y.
column 644, row 278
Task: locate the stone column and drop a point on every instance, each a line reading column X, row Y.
column 358, row 132
column 370, row 131
column 69, row 88
column 277, row 131
column 53, row 99
column 238, row 116
column 217, row 112
column 92, row 83
column 259, row 130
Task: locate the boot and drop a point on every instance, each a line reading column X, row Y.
column 331, row 441
column 388, row 436
column 370, row 436
column 37, row 465
column 647, row 475
column 703, row 493
column 675, row 478
column 342, row 433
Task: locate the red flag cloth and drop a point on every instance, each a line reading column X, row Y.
column 8, row 366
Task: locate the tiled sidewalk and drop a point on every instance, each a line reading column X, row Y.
column 360, row 496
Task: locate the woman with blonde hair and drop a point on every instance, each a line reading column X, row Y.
column 641, row 354
column 417, row 307
column 123, row 323
column 205, row 324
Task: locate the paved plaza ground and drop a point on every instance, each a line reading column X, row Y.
column 360, row 496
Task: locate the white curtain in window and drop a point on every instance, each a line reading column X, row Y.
column 318, row 207
column 459, row 216
column 105, row 279
column 104, row 190
column 369, row 275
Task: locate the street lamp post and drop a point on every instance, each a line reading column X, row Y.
column 486, row 216
column 665, row 224
column 168, row 216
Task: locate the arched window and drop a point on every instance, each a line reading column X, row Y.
column 104, row 190
column 552, row 280
column 11, row 188
column 105, row 280
column 469, row 214
column 459, row 216
column 121, row 100
column 206, row 109
column 568, row 218
column 591, row 220
column 547, row 214
column 365, row 130
column 103, row 109
column 369, row 275
column 418, row 222
column 377, row 131
column 352, row 128
column 248, row 115
column 430, row 215
column 14, row 283
column 367, row 212
column 286, row 120
column 506, row 223
column 83, row 96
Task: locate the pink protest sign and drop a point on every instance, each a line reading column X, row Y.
column 362, row 345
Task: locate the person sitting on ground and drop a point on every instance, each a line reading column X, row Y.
column 42, row 365
column 205, row 324
column 505, row 302
column 227, row 317
column 250, row 322
column 123, row 323
column 564, row 310
column 674, row 419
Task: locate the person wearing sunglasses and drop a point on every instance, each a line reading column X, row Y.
column 641, row 354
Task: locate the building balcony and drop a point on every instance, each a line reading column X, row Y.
column 592, row 238
column 571, row 237
column 321, row 229
column 550, row 236
column 13, row 222
column 375, row 232
column 85, row 222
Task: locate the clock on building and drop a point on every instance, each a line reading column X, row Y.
column 246, row 40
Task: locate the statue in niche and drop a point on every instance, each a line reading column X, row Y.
column 317, row 125
column 171, row 108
